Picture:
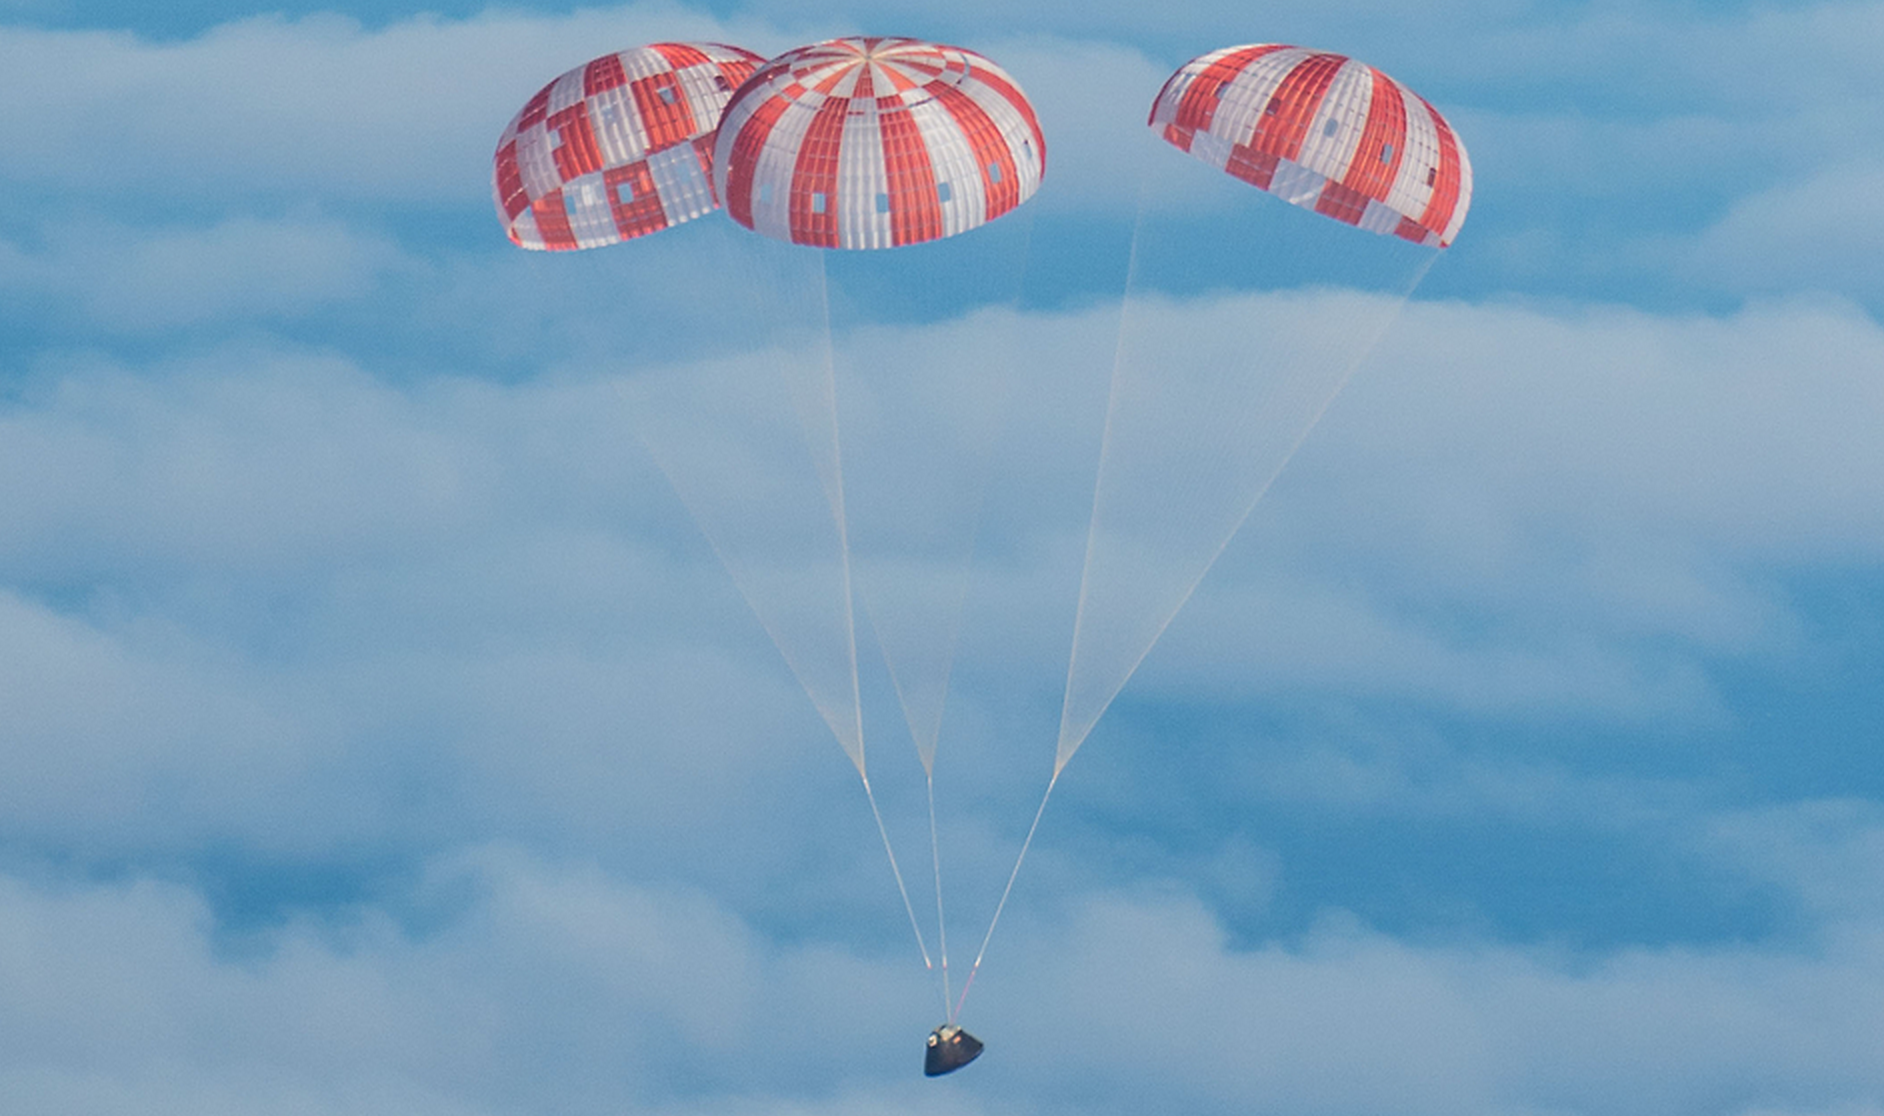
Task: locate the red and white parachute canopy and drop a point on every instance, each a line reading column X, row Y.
column 618, row 148
column 1323, row 132
column 876, row 143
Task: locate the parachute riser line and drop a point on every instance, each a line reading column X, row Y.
column 925, row 731
column 1026, row 844
column 895, row 870
column 941, row 920
column 834, row 494
column 804, row 373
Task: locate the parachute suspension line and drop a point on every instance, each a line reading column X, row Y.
column 1072, row 734
column 834, row 718
column 1063, row 751
column 1249, row 507
column 925, row 731
column 1005, row 892
column 941, row 920
column 1412, row 285
column 908, row 907
column 834, row 491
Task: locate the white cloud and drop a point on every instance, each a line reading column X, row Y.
column 553, row 984
column 545, row 985
column 126, row 279
column 106, row 747
column 244, row 461
column 1350, row 1020
column 1829, row 852
column 126, row 991
column 277, row 556
column 1820, row 233
column 1514, row 508
column 285, row 592
column 1742, row 435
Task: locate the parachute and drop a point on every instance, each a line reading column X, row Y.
column 1323, row 132
column 877, row 143
column 617, row 148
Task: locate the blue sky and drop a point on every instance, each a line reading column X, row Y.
column 378, row 732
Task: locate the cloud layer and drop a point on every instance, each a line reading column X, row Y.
column 382, row 734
